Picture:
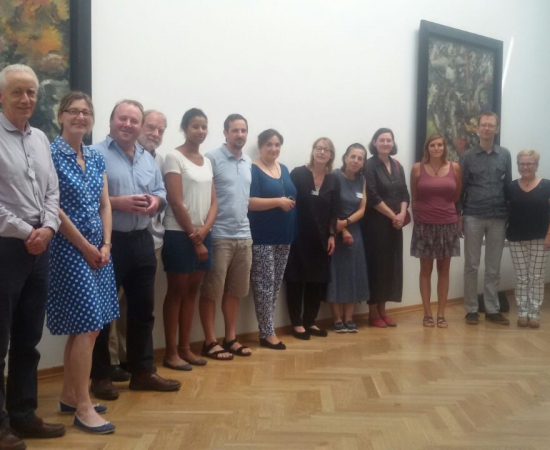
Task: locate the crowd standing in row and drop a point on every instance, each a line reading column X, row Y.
column 225, row 223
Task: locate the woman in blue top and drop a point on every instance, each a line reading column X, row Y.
column 82, row 296
column 273, row 226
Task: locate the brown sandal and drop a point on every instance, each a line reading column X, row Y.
column 428, row 322
column 209, row 353
column 442, row 323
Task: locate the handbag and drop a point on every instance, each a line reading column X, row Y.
column 408, row 214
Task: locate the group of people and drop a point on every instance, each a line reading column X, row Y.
column 80, row 224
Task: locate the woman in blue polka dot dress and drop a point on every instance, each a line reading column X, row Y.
column 82, row 296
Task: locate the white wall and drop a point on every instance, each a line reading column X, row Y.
column 307, row 68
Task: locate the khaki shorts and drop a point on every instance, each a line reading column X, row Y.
column 230, row 274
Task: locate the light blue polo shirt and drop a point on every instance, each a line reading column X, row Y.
column 232, row 179
column 125, row 177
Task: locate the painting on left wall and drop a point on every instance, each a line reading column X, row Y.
column 41, row 34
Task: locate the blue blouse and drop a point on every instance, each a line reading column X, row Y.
column 273, row 226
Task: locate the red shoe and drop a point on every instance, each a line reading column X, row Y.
column 389, row 321
column 377, row 322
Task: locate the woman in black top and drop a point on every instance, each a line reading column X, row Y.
column 529, row 236
column 388, row 200
column 308, row 270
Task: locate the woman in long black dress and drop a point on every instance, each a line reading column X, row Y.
column 308, row 270
column 388, row 200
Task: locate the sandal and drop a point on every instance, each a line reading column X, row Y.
column 442, row 323
column 428, row 322
column 239, row 351
column 207, row 351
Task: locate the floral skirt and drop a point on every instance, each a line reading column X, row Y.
column 435, row 241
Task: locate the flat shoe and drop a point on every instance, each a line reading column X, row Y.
column 63, row 408
column 523, row 322
column 316, row 332
column 377, row 322
column 106, row 428
column 196, row 361
column 278, row 346
column 533, row 323
column 389, row 321
column 303, row 335
column 184, row 367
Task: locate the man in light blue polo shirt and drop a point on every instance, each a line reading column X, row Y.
column 137, row 194
column 232, row 241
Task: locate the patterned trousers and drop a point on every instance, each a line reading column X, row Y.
column 529, row 259
column 266, row 276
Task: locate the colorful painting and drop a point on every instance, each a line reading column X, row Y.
column 459, row 77
column 37, row 33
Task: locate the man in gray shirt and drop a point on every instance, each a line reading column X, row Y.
column 29, row 218
column 486, row 177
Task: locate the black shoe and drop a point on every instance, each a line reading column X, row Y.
column 119, row 374
column 472, row 318
column 278, row 346
column 497, row 318
column 303, row 335
column 316, row 332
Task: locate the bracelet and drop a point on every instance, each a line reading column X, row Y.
column 345, row 230
column 348, row 222
column 332, row 234
column 108, row 243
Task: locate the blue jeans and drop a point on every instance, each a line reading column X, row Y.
column 494, row 232
column 24, row 283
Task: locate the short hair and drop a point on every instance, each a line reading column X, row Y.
column 130, row 102
column 372, row 148
column 190, row 114
column 232, row 118
column 488, row 114
column 530, row 153
column 330, row 145
column 348, row 150
column 266, row 135
column 70, row 97
column 155, row 111
column 429, row 140
column 15, row 68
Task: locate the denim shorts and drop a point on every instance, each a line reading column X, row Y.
column 179, row 256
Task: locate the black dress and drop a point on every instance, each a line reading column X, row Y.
column 308, row 269
column 383, row 243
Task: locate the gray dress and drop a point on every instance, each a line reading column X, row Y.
column 349, row 283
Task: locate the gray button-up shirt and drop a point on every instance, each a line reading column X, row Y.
column 29, row 191
column 486, row 179
column 125, row 177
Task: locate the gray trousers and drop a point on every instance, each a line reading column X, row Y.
column 494, row 231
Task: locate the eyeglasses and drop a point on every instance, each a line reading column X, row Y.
column 526, row 165
column 76, row 112
column 322, row 149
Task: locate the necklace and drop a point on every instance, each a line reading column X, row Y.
column 433, row 168
column 270, row 171
column 280, row 177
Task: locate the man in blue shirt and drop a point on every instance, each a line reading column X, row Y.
column 137, row 194
column 232, row 241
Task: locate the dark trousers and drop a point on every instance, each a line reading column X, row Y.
column 312, row 294
column 135, row 266
column 24, row 282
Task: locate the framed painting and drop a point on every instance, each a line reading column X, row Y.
column 459, row 76
column 54, row 38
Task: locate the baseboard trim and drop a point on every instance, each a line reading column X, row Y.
column 57, row 371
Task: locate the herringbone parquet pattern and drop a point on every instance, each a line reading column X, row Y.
column 466, row 387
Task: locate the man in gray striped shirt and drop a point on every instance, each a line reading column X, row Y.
column 29, row 218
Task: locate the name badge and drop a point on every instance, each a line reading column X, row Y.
column 359, row 194
column 316, row 193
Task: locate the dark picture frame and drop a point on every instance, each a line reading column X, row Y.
column 81, row 46
column 459, row 75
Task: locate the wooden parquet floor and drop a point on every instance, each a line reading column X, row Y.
column 465, row 387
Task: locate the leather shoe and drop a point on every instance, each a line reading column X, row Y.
column 104, row 389
column 152, row 382
column 9, row 441
column 39, row 429
column 119, row 374
column 317, row 332
column 303, row 335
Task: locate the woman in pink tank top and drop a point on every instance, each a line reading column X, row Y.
column 435, row 190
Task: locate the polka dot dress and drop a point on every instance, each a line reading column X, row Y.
column 81, row 299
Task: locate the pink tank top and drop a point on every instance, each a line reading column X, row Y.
column 435, row 202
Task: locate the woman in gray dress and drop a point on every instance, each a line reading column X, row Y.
column 349, row 284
